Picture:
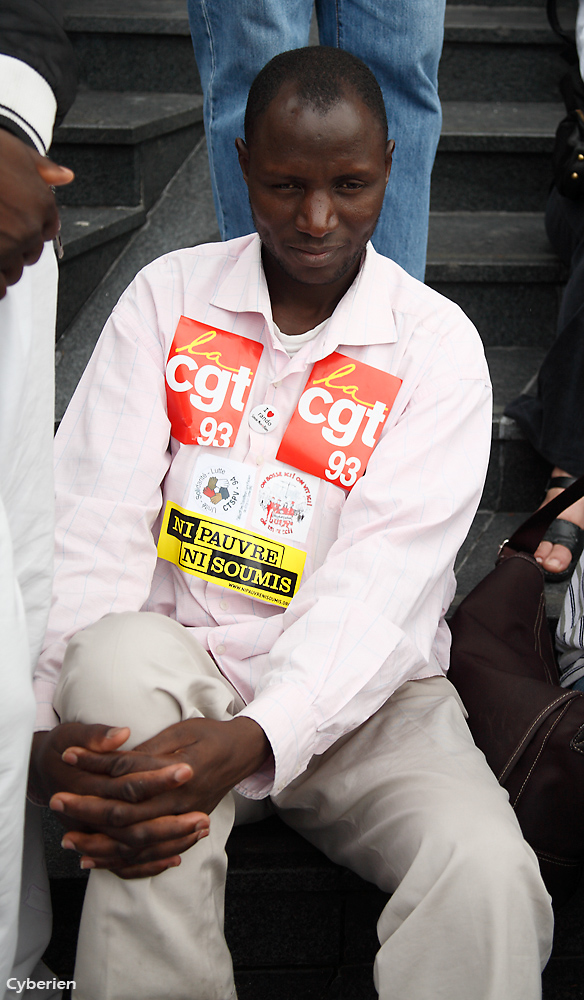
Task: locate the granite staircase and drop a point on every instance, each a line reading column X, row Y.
column 299, row 926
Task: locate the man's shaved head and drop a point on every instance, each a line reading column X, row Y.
column 321, row 76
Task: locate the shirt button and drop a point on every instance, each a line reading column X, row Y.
column 220, row 649
column 259, row 459
column 276, row 384
column 224, row 605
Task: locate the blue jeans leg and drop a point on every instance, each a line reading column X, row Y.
column 233, row 40
column 400, row 40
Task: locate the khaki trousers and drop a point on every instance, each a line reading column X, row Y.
column 406, row 801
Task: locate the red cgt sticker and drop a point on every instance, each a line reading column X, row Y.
column 209, row 375
column 338, row 419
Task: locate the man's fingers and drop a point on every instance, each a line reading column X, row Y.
column 107, row 853
column 32, row 255
column 115, row 764
column 28, row 211
column 146, row 871
column 124, row 795
column 171, row 739
column 52, row 173
column 153, row 836
column 107, row 814
column 104, row 739
column 118, row 782
column 13, row 271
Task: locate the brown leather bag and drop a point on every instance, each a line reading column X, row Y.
column 530, row 729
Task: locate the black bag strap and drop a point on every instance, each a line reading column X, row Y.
column 552, row 16
column 530, row 533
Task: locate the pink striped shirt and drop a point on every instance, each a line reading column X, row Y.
column 378, row 576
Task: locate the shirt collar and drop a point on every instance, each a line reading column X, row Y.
column 363, row 316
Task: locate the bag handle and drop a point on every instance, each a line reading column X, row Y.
column 554, row 22
column 530, row 533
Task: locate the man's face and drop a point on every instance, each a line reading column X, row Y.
column 316, row 184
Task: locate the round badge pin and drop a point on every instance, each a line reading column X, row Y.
column 264, row 418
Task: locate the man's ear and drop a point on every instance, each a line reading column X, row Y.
column 243, row 157
column 388, row 158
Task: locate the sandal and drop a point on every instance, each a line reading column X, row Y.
column 562, row 532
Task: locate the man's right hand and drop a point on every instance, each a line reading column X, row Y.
column 28, row 211
column 50, row 774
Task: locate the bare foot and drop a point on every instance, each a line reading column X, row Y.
column 557, row 558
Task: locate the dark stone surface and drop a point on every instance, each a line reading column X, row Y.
column 563, row 979
column 67, row 900
column 490, row 247
column 507, row 313
column 162, row 156
column 283, row 928
column 483, row 70
column 104, row 175
column 511, row 369
column 169, row 17
column 516, row 477
column 285, row 984
column 183, row 216
column 123, row 174
column 271, row 843
column 569, row 930
column 494, row 126
column 80, row 276
column 523, row 475
column 93, row 238
column 84, row 228
column 118, row 117
column 361, row 913
column 118, row 61
column 490, row 182
column 482, row 23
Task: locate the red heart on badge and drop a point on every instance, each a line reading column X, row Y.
column 270, row 413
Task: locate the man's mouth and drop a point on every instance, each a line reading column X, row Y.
column 316, row 255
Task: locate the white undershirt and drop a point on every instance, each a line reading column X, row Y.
column 293, row 342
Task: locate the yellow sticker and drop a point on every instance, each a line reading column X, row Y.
column 239, row 560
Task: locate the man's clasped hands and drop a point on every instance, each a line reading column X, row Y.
column 135, row 811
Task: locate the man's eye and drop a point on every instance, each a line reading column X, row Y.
column 286, row 187
column 351, row 186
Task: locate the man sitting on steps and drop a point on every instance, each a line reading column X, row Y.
column 263, row 481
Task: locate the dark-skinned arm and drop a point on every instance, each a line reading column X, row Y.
column 28, row 211
column 142, row 832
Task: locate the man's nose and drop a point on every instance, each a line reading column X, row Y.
column 316, row 215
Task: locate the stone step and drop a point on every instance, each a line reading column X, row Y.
column 501, row 269
column 167, row 227
column 496, row 52
column 499, row 54
column 494, row 156
column 516, row 475
column 142, row 45
column 125, row 147
column 92, row 239
column 297, row 925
